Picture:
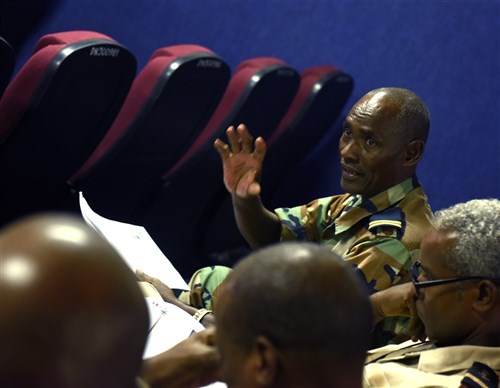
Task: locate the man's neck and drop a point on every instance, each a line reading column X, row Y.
column 485, row 335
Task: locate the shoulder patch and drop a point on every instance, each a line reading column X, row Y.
column 392, row 218
column 480, row 376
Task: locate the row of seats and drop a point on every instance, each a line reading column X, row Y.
column 140, row 147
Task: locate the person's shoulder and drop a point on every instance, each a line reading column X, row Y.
column 416, row 204
column 463, row 354
column 417, row 216
column 325, row 204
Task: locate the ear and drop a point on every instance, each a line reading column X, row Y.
column 265, row 361
column 413, row 152
column 487, row 296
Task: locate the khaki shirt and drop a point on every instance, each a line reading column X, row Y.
column 423, row 365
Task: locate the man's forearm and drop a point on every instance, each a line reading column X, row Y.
column 258, row 225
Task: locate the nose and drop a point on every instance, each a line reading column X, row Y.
column 348, row 150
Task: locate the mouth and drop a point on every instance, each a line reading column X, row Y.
column 349, row 172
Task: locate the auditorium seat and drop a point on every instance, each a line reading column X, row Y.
column 259, row 93
column 7, row 61
column 323, row 93
column 167, row 106
column 54, row 113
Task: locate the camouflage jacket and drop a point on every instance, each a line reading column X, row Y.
column 380, row 236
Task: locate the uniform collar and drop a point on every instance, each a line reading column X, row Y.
column 454, row 358
column 432, row 359
column 356, row 207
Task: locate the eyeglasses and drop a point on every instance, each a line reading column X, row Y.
column 417, row 271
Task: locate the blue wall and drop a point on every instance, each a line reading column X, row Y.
column 447, row 52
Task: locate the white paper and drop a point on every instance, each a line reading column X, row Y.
column 217, row 384
column 169, row 325
column 135, row 246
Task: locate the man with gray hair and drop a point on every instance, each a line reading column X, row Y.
column 456, row 284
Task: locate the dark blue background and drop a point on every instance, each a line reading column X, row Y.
column 447, row 52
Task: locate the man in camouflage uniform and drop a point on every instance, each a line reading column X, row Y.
column 377, row 226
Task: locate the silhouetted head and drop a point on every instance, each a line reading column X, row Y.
column 72, row 314
column 293, row 314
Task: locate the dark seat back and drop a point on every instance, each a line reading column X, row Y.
column 54, row 113
column 323, row 92
column 258, row 95
column 168, row 105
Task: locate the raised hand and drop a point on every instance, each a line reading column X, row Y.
column 242, row 161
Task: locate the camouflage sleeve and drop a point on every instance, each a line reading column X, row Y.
column 381, row 262
column 204, row 286
column 305, row 222
column 292, row 227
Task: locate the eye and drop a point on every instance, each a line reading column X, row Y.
column 347, row 132
column 370, row 142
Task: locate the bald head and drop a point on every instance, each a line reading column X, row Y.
column 383, row 140
column 306, row 302
column 408, row 114
column 72, row 313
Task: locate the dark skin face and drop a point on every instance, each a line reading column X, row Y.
column 446, row 310
column 234, row 364
column 374, row 156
